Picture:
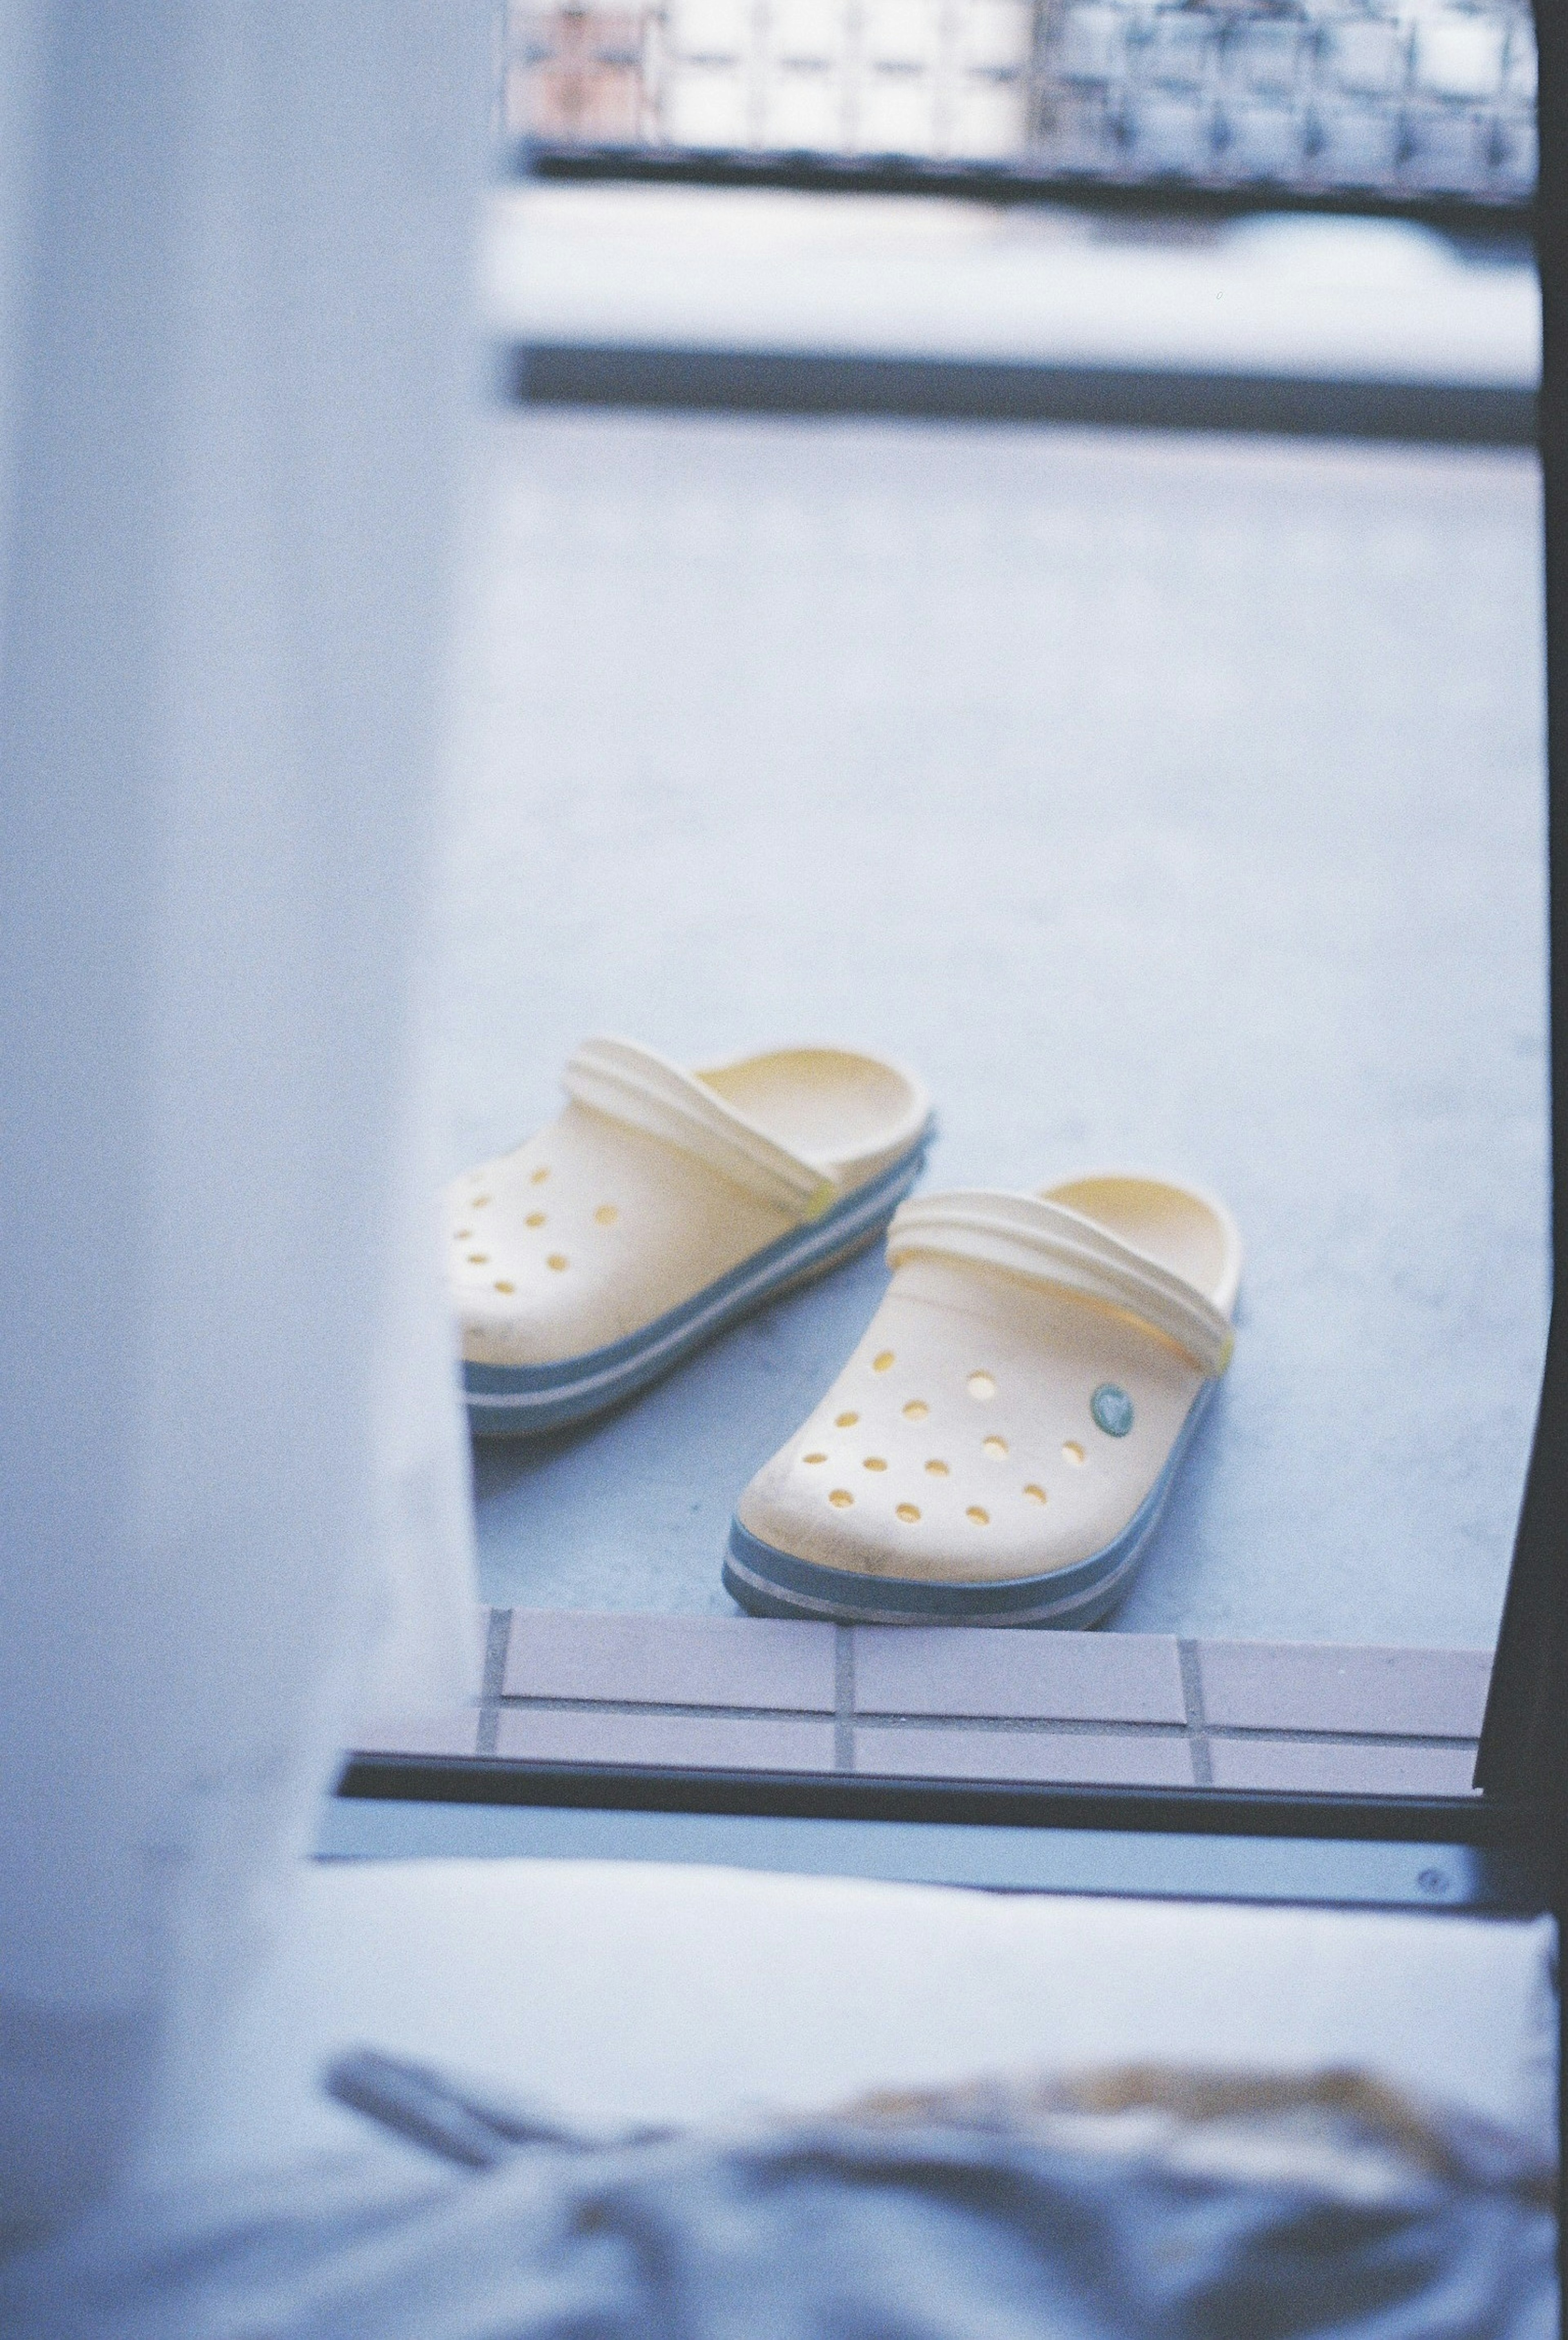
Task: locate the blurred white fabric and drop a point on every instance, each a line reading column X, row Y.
column 235, row 359
column 752, row 1994
column 607, row 1996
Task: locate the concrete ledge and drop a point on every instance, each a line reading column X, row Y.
column 791, row 381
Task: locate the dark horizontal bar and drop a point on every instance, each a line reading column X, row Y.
column 785, row 381
column 1164, row 196
column 482, row 1779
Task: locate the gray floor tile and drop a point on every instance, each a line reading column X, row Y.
column 419, row 1734
column 1299, row 1767
column 544, row 1735
column 1079, row 1758
column 1424, row 1693
column 672, row 1661
column 1035, row 1676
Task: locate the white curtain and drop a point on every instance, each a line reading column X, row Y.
column 235, row 359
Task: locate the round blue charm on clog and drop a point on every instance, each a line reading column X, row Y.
column 1113, row 1409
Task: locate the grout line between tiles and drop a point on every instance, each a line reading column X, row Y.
column 1292, row 1734
column 1012, row 1726
column 996, row 1725
column 843, row 1697
column 531, row 1702
column 497, row 1640
column 1197, row 1732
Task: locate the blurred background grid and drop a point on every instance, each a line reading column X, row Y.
column 1398, row 99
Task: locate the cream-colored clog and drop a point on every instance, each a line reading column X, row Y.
column 999, row 1447
column 661, row 1205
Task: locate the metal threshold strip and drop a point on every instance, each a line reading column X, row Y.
column 1434, row 1853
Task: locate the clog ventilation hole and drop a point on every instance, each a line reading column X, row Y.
column 606, row 1215
column 982, row 1387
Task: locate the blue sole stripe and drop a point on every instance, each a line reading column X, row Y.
column 524, row 1400
column 769, row 1582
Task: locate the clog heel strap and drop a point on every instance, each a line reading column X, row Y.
column 1046, row 1243
column 645, row 1091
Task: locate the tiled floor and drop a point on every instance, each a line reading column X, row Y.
column 1124, row 1709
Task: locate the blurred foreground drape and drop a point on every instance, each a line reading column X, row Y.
column 234, row 362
